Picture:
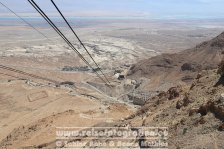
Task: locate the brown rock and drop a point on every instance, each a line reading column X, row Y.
column 187, row 100
column 179, row 104
column 174, row 92
column 193, row 111
column 221, row 127
column 199, row 76
column 203, row 110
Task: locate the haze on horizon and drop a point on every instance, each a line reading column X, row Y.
column 155, row 9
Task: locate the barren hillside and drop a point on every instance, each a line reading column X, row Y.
column 182, row 66
column 194, row 114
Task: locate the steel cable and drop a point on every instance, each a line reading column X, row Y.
column 39, row 10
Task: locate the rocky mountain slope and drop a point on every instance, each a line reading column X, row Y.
column 181, row 66
column 194, row 115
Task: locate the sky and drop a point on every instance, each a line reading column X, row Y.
column 154, row 9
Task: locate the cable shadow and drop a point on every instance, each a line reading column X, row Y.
column 26, row 74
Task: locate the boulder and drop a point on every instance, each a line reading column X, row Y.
column 179, row 104
column 193, row 111
column 184, row 102
column 117, row 75
column 174, row 92
column 221, row 98
column 190, row 67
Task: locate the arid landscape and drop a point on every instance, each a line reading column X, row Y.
column 162, row 74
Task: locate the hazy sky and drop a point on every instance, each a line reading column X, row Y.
column 124, row 8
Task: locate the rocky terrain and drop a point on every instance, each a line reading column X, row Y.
column 45, row 86
column 194, row 114
column 198, row 109
column 182, row 66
